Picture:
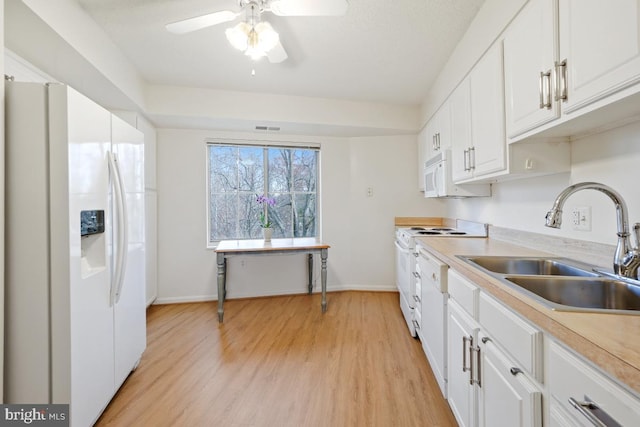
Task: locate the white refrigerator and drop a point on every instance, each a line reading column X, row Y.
column 75, row 263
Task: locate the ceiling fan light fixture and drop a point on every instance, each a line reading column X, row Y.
column 255, row 41
column 268, row 38
column 238, row 35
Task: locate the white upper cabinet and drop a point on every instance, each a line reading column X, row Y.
column 600, row 43
column 529, row 73
column 477, row 120
column 441, row 129
column 564, row 55
column 434, row 137
column 487, row 113
column 460, row 104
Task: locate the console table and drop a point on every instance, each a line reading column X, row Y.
column 227, row 248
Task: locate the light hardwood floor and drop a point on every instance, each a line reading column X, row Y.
column 281, row 362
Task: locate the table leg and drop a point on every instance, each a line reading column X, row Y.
column 222, row 288
column 323, row 256
column 310, row 270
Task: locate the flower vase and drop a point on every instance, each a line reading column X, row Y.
column 266, row 233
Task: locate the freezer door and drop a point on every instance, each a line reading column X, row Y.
column 92, row 329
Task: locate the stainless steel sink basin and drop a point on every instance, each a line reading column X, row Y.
column 562, row 284
column 598, row 293
column 531, row 266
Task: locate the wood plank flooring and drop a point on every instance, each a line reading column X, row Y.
column 280, row 362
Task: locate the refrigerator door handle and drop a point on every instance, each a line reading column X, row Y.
column 121, row 243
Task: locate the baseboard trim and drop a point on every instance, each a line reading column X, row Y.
column 205, row 298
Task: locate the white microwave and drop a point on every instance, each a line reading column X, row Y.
column 439, row 183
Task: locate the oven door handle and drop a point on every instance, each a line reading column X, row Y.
column 401, row 249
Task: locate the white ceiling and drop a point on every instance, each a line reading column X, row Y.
column 387, row 51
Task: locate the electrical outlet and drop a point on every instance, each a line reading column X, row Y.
column 581, row 218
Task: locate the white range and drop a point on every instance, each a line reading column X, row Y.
column 406, row 260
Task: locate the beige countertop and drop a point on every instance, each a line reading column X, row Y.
column 610, row 341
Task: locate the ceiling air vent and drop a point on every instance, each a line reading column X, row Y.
column 269, row 128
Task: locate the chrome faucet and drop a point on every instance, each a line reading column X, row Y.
column 626, row 258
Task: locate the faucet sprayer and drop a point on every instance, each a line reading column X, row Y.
column 626, row 258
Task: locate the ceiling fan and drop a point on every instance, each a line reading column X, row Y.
column 255, row 37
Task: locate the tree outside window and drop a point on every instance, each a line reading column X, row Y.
column 240, row 173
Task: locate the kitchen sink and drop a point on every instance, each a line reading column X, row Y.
column 563, row 284
column 531, row 266
column 586, row 293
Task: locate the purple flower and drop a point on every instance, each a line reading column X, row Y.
column 263, row 216
column 264, row 199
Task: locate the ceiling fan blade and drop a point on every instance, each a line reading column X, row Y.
column 309, row 7
column 277, row 54
column 199, row 22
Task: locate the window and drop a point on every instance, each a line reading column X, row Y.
column 237, row 174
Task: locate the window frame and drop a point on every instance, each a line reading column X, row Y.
column 212, row 244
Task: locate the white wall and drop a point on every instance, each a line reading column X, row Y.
column 358, row 228
column 611, row 158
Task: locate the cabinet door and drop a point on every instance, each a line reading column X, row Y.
column 460, row 107
column 529, row 55
column 443, row 127
column 462, row 334
column 600, row 41
column 506, row 397
column 569, row 377
column 487, row 113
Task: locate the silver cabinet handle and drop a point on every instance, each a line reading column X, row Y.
column 545, row 89
column 433, row 276
column 471, row 350
column 472, row 160
column 464, row 353
column 477, row 380
column 561, row 80
column 416, row 274
column 416, row 298
column 415, row 324
column 515, row 371
column 541, row 90
column 433, row 142
column 587, row 409
column 438, row 140
column 466, row 163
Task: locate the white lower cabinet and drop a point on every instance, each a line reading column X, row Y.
column 580, row 395
column 503, row 371
column 462, row 335
column 506, row 396
column 488, row 386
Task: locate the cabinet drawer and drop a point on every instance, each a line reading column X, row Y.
column 521, row 340
column 569, row 377
column 464, row 292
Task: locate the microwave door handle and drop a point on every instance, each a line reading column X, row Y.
column 435, row 181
